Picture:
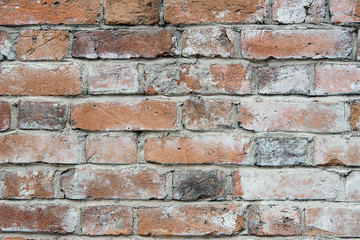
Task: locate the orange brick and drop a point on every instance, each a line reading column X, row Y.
column 5, row 116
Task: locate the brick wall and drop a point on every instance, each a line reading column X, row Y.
column 181, row 119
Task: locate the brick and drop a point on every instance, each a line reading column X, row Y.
column 211, row 149
column 5, row 45
column 274, row 220
column 337, row 151
column 28, row 184
column 56, row 149
column 192, row 185
column 200, row 114
column 296, row 44
column 131, row 12
column 286, row 184
column 35, row 218
column 303, row 11
column 355, row 115
column 111, row 150
column 107, row 220
column 273, row 151
column 22, row 238
column 42, row 45
column 145, row 115
column 211, row 220
column 333, row 221
column 5, row 116
column 129, row 183
column 208, row 42
column 148, row 43
column 344, row 11
column 40, row 80
column 180, row 79
column 353, row 187
column 284, row 79
column 19, row 12
column 106, row 78
column 293, row 116
column 42, row 115
column 327, row 79
column 212, row 11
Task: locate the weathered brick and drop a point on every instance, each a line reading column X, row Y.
column 28, row 184
column 42, row 45
column 208, row 42
column 5, row 116
column 200, row 114
column 129, row 183
column 284, row 79
column 21, row 148
column 355, row 115
column 131, row 12
column 300, row 11
column 19, row 12
column 107, row 78
column 274, row 220
column 353, row 187
column 211, row 220
column 36, row 218
column 337, row 151
column 111, row 150
column 22, row 238
column 272, row 151
column 211, row 149
column 327, row 79
column 333, row 221
column 286, row 184
column 292, row 116
column 5, row 45
column 42, row 115
column 227, row 11
column 176, row 79
column 37, row 79
column 297, row 44
column 145, row 115
column 107, row 220
column 343, row 11
column 148, row 43
column 192, row 185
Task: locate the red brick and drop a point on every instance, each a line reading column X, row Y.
column 208, row 42
column 111, row 150
column 211, row 220
column 292, row 116
column 284, row 79
column 227, row 11
column 200, row 114
column 5, row 45
column 40, row 80
column 107, row 220
column 42, row 45
column 145, row 115
column 353, row 187
column 327, row 79
column 300, row 11
column 5, row 116
column 212, row 149
column 333, row 221
column 337, row 151
column 127, row 183
column 343, row 11
column 298, row 44
column 287, row 184
column 124, row 44
column 19, row 12
column 355, row 115
column 131, row 12
column 42, row 115
column 32, row 218
column 21, row 148
column 176, row 79
column 274, row 220
column 28, row 184
column 106, row 78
